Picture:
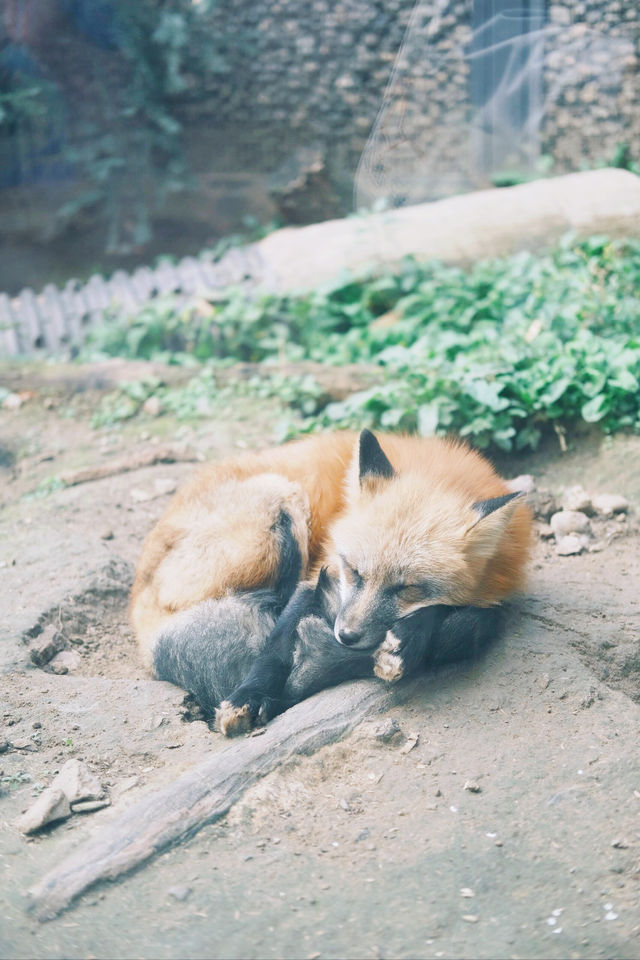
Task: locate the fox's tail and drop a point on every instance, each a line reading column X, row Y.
column 209, row 649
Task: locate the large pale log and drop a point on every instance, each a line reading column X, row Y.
column 205, row 793
column 462, row 229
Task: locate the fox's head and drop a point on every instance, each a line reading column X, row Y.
column 407, row 542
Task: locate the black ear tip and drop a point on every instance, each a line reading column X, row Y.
column 485, row 507
column 373, row 462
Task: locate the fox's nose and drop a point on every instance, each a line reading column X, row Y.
column 349, row 637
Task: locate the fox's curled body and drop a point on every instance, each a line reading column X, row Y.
column 418, row 541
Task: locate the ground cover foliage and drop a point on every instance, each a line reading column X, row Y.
column 497, row 352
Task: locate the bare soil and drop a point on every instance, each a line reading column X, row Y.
column 503, row 820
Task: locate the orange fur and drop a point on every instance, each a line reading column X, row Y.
column 216, row 534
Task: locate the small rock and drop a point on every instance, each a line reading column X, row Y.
column 620, row 844
column 164, row 486
column 152, row 406
column 470, row 917
column 88, row 806
column 577, row 499
column 106, row 535
column 4, row 746
column 23, row 743
column 544, row 531
column 606, row 504
column 524, row 483
column 571, row 545
column 467, row 892
column 596, row 547
column 50, row 806
column 65, row 662
column 77, row 782
column 472, row 786
column 569, row 521
column 138, row 495
column 386, row 731
column 411, row 742
column 46, row 645
column 179, row 892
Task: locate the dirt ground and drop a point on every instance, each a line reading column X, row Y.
column 503, row 819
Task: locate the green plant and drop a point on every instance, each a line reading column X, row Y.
column 496, row 353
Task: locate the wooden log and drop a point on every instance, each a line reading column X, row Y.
column 461, row 229
column 144, row 458
column 205, row 793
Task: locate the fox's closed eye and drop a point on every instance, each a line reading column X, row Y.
column 412, row 593
column 350, row 570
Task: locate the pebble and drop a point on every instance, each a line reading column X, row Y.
column 107, row 535
column 45, row 646
column 571, row 545
column 569, row 521
column 472, row 786
column 164, row 486
column 470, row 917
column 577, row 499
column 544, row 531
column 23, row 743
column 411, row 742
column 51, row 805
column 65, row 662
column 606, row 504
column 386, row 731
column 88, row 806
column 179, row 892
column 77, row 782
column 152, row 406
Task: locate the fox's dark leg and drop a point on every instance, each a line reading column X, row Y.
column 464, row 633
column 259, row 694
column 435, row 635
column 406, row 647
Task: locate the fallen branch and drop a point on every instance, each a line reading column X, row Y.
column 208, row 791
column 145, row 458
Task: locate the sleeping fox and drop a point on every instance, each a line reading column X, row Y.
column 399, row 524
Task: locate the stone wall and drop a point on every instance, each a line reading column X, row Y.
column 387, row 84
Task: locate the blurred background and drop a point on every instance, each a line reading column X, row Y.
column 134, row 130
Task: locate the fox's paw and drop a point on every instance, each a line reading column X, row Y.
column 387, row 662
column 232, row 721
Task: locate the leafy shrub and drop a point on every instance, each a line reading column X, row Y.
column 493, row 353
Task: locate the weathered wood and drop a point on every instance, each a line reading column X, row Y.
column 145, row 458
column 461, row 229
column 9, row 328
column 208, row 791
column 57, row 327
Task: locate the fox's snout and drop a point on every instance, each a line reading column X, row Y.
column 362, row 622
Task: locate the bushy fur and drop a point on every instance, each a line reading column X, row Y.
column 419, row 538
column 211, row 650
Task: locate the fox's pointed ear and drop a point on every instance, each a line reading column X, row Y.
column 484, row 507
column 491, row 519
column 373, row 464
